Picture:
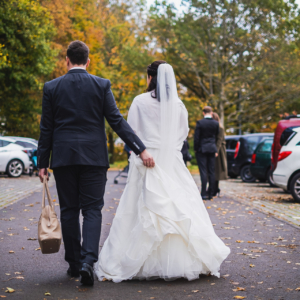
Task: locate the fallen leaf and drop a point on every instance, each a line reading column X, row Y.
column 239, row 241
column 1, row 296
column 108, row 224
column 37, row 249
column 54, row 200
column 297, row 289
column 9, row 290
column 47, row 294
column 208, row 207
column 104, row 279
column 139, row 291
column 212, row 284
column 18, row 273
column 260, row 282
column 241, row 289
column 251, row 266
column 239, row 297
column 195, row 291
column 31, row 239
column 282, row 251
column 111, row 207
column 11, row 251
column 235, row 283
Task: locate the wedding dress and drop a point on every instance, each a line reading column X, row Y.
column 161, row 228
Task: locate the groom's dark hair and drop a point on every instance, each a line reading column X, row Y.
column 78, row 53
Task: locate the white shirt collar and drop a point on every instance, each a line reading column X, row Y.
column 77, row 68
column 208, row 117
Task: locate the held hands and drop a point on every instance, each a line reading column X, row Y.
column 147, row 159
column 217, row 154
column 42, row 173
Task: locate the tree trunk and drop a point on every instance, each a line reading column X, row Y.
column 111, row 147
column 221, row 105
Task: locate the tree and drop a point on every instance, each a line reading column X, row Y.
column 113, row 32
column 239, row 56
column 26, row 56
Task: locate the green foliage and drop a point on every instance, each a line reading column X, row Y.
column 26, row 57
column 241, row 57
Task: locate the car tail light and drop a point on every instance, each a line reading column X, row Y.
column 283, row 155
column 272, row 154
column 25, row 151
column 237, row 148
column 253, row 159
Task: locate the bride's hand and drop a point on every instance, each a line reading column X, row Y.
column 147, row 159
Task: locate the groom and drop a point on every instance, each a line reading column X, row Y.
column 74, row 110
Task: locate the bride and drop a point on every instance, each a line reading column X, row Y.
column 161, row 228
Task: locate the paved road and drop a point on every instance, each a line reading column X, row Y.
column 264, row 260
column 270, row 200
column 14, row 189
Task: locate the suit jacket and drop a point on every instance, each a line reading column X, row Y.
column 73, row 121
column 205, row 137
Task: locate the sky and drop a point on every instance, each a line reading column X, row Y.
column 177, row 2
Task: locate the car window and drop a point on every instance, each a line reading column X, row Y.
column 29, row 145
column 4, row 143
column 266, row 146
column 231, row 144
column 251, row 143
column 20, row 143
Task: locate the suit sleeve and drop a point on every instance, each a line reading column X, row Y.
column 46, row 130
column 119, row 125
column 196, row 137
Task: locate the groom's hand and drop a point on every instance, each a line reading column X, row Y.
column 147, row 159
column 42, row 173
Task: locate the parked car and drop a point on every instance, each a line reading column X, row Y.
column 27, row 143
column 13, row 160
column 287, row 172
column 260, row 166
column 239, row 150
column 280, row 136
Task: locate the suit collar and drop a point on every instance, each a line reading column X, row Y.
column 77, row 70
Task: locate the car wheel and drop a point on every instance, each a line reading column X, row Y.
column 15, row 168
column 295, row 187
column 246, row 174
column 270, row 178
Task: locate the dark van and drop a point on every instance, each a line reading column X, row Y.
column 239, row 150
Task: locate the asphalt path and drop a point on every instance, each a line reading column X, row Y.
column 264, row 262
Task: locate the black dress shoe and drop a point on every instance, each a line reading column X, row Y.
column 206, row 198
column 73, row 273
column 87, row 274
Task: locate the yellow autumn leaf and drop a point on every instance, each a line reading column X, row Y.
column 9, row 290
column 251, row 266
column 47, row 294
column 239, row 297
column 11, row 251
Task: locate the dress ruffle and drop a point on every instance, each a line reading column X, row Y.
column 161, row 229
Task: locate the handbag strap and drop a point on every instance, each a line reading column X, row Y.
column 46, row 189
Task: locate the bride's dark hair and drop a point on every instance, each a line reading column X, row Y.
column 152, row 71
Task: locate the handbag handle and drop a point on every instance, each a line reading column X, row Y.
column 46, row 189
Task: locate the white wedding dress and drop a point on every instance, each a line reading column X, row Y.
column 161, row 228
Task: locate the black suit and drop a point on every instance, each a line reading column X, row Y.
column 74, row 110
column 205, row 147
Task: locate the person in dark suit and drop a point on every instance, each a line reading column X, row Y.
column 72, row 127
column 205, row 137
column 185, row 152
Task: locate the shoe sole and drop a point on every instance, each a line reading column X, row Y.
column 86, row 278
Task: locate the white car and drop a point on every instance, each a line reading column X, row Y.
column 287, row 173
column 13, row 159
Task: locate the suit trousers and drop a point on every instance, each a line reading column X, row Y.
column 206, row 164
column 82, row 188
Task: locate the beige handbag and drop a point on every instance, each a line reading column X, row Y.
column 49, row 232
